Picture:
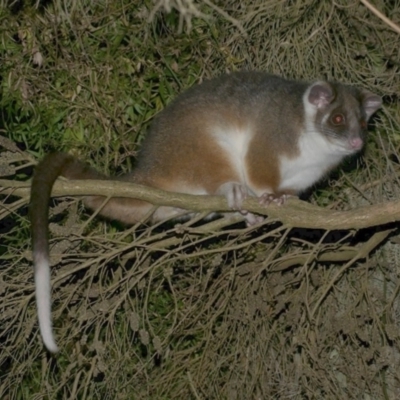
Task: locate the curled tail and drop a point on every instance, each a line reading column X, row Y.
column 126, row 210
column 46, row 173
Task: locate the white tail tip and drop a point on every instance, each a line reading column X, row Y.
column 43, row 300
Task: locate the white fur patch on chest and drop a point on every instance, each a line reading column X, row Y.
column 235, row 142
column 317, row 155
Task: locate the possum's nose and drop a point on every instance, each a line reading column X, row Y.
column 356, row 143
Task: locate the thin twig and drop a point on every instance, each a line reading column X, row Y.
column 385, row 19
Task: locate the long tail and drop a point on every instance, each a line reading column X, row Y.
column 47, row 171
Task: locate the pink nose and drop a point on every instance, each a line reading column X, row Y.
column 356, row 143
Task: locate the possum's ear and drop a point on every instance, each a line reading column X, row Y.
column 371, row 103
column 321, row 94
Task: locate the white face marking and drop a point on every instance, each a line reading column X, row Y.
column 317, row 155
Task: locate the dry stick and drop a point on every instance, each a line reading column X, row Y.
column 192, row 387
column 323, row 26
column 197, row 254
column 143, row 193
column 295, row 213
column 386, row 20
column 393, row 298
column 169, row 194
column 6, row 209
column 331, row 256
column 375, row 240
column 165, row 243
column 229, row 246
column 75, row 385
column 232, row 20
column 95, row 212
column 305, row 271
column 337, row 252
column 270, row 257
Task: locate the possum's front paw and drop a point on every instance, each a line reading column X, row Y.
column 235, row 193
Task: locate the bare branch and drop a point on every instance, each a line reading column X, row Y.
column 295, row 213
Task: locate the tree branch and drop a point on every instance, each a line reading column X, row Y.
column 295, row 213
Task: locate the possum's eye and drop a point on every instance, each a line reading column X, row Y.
column 337, row 119
column 363, row 124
